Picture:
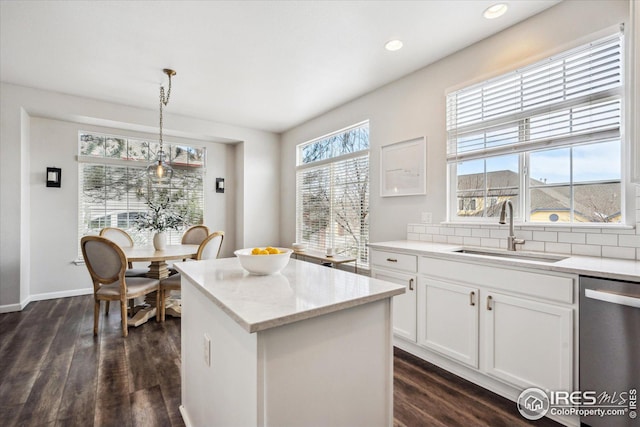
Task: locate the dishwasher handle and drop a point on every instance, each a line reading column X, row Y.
column 613, row 297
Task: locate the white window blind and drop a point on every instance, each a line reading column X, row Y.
column 332, row 193
column 114, row 188
column 572, row 98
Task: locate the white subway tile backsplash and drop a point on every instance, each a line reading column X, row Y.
column 463, row 232
column 533, row 245
column 418, row 229
column 618, row 252
column 426, row 238
column 545, row 236
column 455, row 240
column 558, row 229
column 480, row 232
column 433, row 230
column 622, row 242
column 560, row 248
column 602, row 239
column 619, row 231
column 579, row 238
column 587, row 250
column 523, row 234
column 447, row 231
column 472, row 241
column 439, row 238
column 490, row 243
column 499, row 234
column 629, row 241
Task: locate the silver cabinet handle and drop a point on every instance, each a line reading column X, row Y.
column 472, row 298
column 410, row 284
column 613, row 297
column 489, row 298
column 392, row 260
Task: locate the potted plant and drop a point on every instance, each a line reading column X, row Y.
column 159, row 218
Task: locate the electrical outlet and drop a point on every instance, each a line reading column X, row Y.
column 207, row 350
column 427, row 217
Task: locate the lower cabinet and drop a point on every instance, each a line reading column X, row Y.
column 528, row 343
column 448, row 319
column 404, row 306
column 506, row 328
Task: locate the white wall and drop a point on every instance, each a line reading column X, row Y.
column 38, row 225
column 415, row 106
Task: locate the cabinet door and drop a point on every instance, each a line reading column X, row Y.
column 528, row 343
column 448, row 319
column 404, row 305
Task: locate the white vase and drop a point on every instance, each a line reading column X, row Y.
column 160, row 241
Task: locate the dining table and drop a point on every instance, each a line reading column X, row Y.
column 158, row 269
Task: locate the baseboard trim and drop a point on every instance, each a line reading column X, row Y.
column 8, row 308
column 185, row 417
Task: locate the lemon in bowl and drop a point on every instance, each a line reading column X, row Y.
column 263, row 261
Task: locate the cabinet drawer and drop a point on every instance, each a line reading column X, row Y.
column 554, row 287
column 395, row 261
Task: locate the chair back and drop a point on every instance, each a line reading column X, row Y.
column 195, row 235
column 210, row 247
column 117, row 235
column 104, row 259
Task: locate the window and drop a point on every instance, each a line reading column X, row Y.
column 547, row 137
column 114, row 188
column 332, row 193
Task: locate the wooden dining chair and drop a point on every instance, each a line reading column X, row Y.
column 124, row 240
column 107, row 264
column 195, row 235
column 208, row 249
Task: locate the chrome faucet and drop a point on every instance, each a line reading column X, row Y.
column 511, row 240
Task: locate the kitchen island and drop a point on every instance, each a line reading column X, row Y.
column 308, row 346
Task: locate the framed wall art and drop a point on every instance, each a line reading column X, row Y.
column 403, row 168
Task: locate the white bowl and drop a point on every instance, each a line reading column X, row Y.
column 299, row 247
column 263, row 264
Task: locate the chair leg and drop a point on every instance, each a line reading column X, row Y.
column 123, row 313
column 106, row 308
column 96, row 315
column 158, row 305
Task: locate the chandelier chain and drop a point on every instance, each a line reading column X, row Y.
column 163, row 102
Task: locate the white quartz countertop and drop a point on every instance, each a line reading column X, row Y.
column 608, row 268
column 301, row 291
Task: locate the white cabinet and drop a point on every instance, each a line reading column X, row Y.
column 401, row 269
column 511, row 324
column 528, row 343
column 448, row 319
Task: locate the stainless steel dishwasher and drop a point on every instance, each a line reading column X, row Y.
column 610, row 348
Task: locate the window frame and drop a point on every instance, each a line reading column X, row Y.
column 330, row 162
column 139, row 164
column 522, row 209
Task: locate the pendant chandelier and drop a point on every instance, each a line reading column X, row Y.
column 160, row 171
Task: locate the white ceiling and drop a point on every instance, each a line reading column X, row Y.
column 267, row 65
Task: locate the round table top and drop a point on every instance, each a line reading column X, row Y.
column 144, row 253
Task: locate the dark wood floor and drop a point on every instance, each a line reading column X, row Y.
column 54, row 372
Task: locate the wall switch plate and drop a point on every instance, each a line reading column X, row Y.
column 207, row 350
column 427, row 217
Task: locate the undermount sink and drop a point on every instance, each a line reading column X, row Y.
column 527, row 256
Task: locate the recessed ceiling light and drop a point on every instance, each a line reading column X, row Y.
column 393, row 45
column 495, row 11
